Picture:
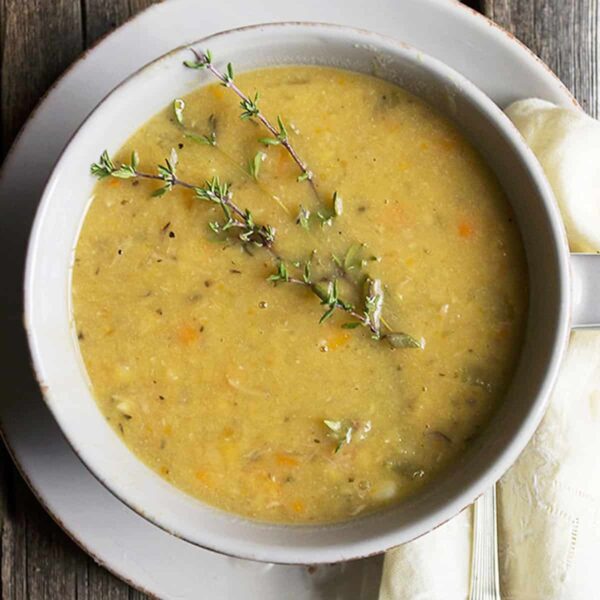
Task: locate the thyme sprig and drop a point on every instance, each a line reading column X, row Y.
column 210, row 139
column 251, row 110
column 328, row 293
column 207, row 139
column 214, row 191
column 241, row 221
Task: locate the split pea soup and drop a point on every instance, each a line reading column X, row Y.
column 328, row 353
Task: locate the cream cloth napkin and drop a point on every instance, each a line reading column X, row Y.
column 549, row 501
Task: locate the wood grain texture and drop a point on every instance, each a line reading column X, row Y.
column 564, row 34
column 38, row 40
column 102, row 16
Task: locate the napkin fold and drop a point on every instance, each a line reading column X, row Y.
column 549, row 501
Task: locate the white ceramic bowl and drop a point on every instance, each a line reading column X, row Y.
column 54, row 347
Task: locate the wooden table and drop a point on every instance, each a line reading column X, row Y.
column 38, row 40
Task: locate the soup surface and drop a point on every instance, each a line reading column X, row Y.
column 225, row 383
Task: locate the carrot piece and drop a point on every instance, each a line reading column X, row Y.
column 284, row 163
column 203, row 476
column 285, row 460
column 465, row 229
column 188, row 334
column 338, row 340
column 114, row 182
column 217, row 91
column 297, row 506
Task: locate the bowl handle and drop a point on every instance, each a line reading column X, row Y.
column 585, row 277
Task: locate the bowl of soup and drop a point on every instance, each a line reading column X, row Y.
column 306, row 340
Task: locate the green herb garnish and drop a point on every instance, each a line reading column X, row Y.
column 340, row 431
column 239, row 224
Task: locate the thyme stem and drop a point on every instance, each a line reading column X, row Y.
column 263, row 235
column 205, row 60
column 340, row 304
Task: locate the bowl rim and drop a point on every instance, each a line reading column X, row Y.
column 489, row 474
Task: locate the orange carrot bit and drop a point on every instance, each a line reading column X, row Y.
column 298, row 506
column 114, row 182
column 465, row 229
column 285, row 460
column 338, row 340
column 188, row 334
column 285, row 164
column 217, row 91
column 203, row 476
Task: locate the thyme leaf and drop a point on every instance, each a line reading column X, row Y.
column 340, row 431
column 338, row 205
column 303, row 218
column 178, row 107
column 402, row 340
column 209, row 139
column 255, row 163
column 204, row 60
column 352, row 257
column 373, row 306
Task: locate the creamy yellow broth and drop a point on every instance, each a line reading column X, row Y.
column 221, row 381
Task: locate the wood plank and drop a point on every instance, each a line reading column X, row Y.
column 38, row 40
column 102, row 16
column 563, row 34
